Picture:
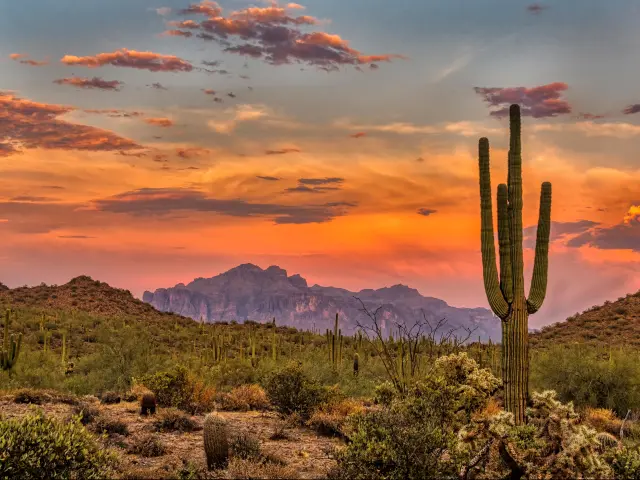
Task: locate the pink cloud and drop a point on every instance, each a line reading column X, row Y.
column 95, row 82
column 536, row 102
column 151, row 61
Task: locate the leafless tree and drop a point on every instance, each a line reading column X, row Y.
column 406, row 360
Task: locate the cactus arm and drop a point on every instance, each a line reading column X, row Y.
column 496, row 300
column 515, row 201
column 538, row 288
column 504, row 244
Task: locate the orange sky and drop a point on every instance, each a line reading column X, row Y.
column 145, row 186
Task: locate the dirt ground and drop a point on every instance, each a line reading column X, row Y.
column 303, row 451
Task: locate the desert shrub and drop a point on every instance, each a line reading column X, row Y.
column 625, row 463
column 36, row 446
column 603, row 420
column 581, row 375
column 291, row 390
column 103, row 424
column 177, row 388
column 39, row 396
column 86, row 412
column 245, row 446
column 245, row 397
column 409, row 436
column 173, row 420
column 147, row 446
column 110, row 398
column 331, row 418
column 384, row 393
column 251, row 469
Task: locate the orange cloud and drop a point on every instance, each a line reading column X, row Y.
column 95, row 82
column 29, row 124
column 154, row 62
column 114, row 113
column 272, row 34
column 633, row 215
column 160, row 121
column 177, row 33
column 22, row 58
column 282, row 151
column 358, row 135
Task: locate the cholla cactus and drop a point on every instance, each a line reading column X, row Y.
column 216, row 441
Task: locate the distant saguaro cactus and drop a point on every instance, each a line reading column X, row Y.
column 506, row 294
column 216, row 441
column 356, row 364
column 148, row 404
column 11, row 346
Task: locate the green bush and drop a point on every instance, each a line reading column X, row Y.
column 384, row 393
column 416, row 436
column 625, row 463
column 178, row 388
column 290, row 390
column 36, row 447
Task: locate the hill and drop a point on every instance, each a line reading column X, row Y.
column 249, row 292
column 613, row 323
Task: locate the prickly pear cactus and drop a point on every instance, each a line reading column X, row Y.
column 216, row 441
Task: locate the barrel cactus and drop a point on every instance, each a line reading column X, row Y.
column 216, row 441
column 506, row 293
column 148, row 404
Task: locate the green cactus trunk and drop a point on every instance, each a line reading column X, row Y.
column 505, row 293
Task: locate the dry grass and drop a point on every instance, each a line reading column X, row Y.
column 603, row 420
column 304, row 453
column 245, row 398
column 331, row 419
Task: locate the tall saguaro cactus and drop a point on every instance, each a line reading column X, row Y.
column 506, row 293
column 10, row 347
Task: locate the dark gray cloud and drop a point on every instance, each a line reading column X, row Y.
column 559, row 231
column 266, row 177
column 320, row 181
column 163, row 201
column 426, row 211
column 624, row 236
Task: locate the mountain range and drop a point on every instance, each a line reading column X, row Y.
column 248, row 292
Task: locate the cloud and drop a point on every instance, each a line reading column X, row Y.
column 282, row 151
column 536, row 8
column 114, row 113
column 154, row 62
column 177, row 33
column 75, row 237
column 95, row 82
column 191, row 152
column 164, row 201
column 623, row 236
column 464, row 128
column 29, row 124
column 306, row 189
column 160, row 122
column 591, row 129
column 158, row 86
column 426, row 211
column 268, row 178
column 274, row 35
column 536, row 102
column 320, row 181
column 163, row 11
column 589, row 116
column 238, row 114
column 208, row 91
column 295, row 6
column 358, row 135
column 22, row 58
column 558, row 231
column 635, row 108
column 31, row 198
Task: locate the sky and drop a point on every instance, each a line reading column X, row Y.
column 150, row 142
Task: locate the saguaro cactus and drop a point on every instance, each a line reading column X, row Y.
column 10, row 346
column 506, row 293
